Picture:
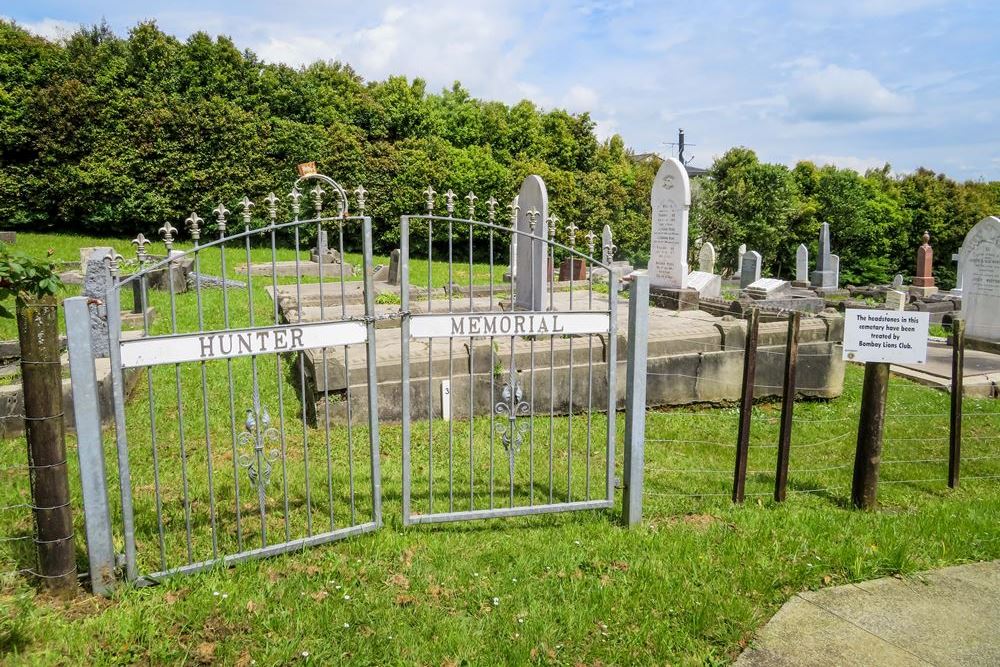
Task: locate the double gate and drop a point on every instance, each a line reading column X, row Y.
column 226, row 446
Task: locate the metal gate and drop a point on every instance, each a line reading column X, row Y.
column 218, row 461
column 508, row 391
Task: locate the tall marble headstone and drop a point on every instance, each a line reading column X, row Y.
column 957, row 258
column 740, row 252
column 513, row 251
column 96, row 283
column 671, row 199
column 394, row 259
column 824, row 276
column 531, row 279
column 607, row 244
column 897, row 281
column 750, row 269
column 835, row 268
column 980, row 259
column 923, row 282
column 706, row 258
column 802, row 264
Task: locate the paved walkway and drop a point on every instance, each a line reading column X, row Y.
column 943, row 617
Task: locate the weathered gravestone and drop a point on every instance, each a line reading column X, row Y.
column 671, row 199
column 897, row 281
column 923, row 281
column 750, row 269
column 895, row 300
column 530, row 279
column 323, row 253
column 769, row 288
column 835, row 268
column 394, row 267
column 96, row 283
column 708, row 285
column 740, row 252
column 706, row 258
column 824, row 277
column 981, row 280
column 802, row 266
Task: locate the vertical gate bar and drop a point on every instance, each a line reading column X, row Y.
column 569, row 411
column 472, row 378
column 152, row 433
column 118, row 392
column 957, row 393
column 90, row 445
column 635, row 399
column 347, row 371
column 302, row 378
column 430, row 361
column 612, row 381
column 531, row 353
column 746, row 406
column 204, row 388
column 787, row 405
column 404, row 358
column 451, row 355
column 277, row 372
column 257, row 406
column 549, row 272
column 326, row 378
column 229, row 374
column 590, row 363
column 373, row 434
column 493, row 361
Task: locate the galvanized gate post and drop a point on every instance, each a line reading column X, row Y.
column 90, row 446
column 635, row 399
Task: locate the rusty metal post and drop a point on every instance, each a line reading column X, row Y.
column 871, row 426
column 957, row 392
column 41, row 381
column 746, row 406
column 787, row 405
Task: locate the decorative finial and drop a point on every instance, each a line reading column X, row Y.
column 295, row 196
column 532, row 218
column 317, row 197
column 551, row 222
column 245, row 203
column 112, row 261
column 471, row 198
column 491, row 206
column 449, row 198
column 515, row 208
column 193, row 224
column 571, row 229
column 591, row 238
column 220, row 212
column 272, row 206
column 167, row 233
column 140, row 242
column 927, row 238
column 430, row 199
column 360, row 193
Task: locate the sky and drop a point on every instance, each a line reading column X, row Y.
column 856, row 83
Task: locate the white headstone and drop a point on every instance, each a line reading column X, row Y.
column 835, row 269
column 750, row 268
column 980, row 259
column 897, row 281
column 607, row 244
column 802, row 264
column 707, row 284
column 671, row 199
column 957, row 258
column 895, row 300
column 768, row 288
column 706, row 258
column 531, row 282
column 513, row 249
column 740, row 252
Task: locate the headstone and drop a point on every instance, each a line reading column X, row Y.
column 572, row 268
column 96, row 283
column 706, row 284
column 706, row 258
column 897, row 282
column 322, row 253
column 380, row 273
column 835, row 268
column 607, row 243
column 530, row 284
column 394, row 267
column 750, row 269
column 895, row 300
column 740, row 252
column 512, row 270
column 769, row 288
column 923, row 280
column 824, row 276
column 802, row 264
column 957, row 258
column 9, row 238
column 671, row 199
column 981, row 284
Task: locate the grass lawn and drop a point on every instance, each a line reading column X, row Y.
column 689, row 586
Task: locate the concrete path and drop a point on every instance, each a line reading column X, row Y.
column 943, row 617
column 981, row 370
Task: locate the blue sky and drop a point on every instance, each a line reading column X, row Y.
column 853, row 82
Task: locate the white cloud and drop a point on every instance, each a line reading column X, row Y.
column 835, row 93
column 581, row 98
column 858, row 164
column 51, row 29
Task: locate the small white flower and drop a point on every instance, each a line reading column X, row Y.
column 390, row 637
column 514, row 581
column 338, row 587
column 215, row 593
column 475, row 574
column 347, row 597
column 225, row 595
column 520, row 620
column 496, row 602
column 347, row 625
column 305, row 654
column 576, row 542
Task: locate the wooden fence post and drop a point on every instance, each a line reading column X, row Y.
column 871, row 426
column 787, row 404
column 41, row 382
column 957, row 392
column 746, row 406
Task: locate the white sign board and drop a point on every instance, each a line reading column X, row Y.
column 898, row 337
column 451, row 325
column 211, row 345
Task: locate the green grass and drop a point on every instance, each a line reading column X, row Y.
column 689, row 586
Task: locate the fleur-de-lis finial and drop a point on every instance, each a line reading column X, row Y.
column 591, row 238
column 272, row 206
column 220, row 212
column 491, row 206
column 471, row 198
column 167, row 234
column 430, row 199
column 317, row 197
column 551, row 222
column 295, row 196
column 360, row 193
column 193, row 224
column 515, row 208
column 140, row 242
column 449, row 199
column 571, row 230
column 245, row 204
column 112, row 259
column 532, row 218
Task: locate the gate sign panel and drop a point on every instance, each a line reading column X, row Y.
column 211, row 345
column 885, row 336
column 465, row 325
